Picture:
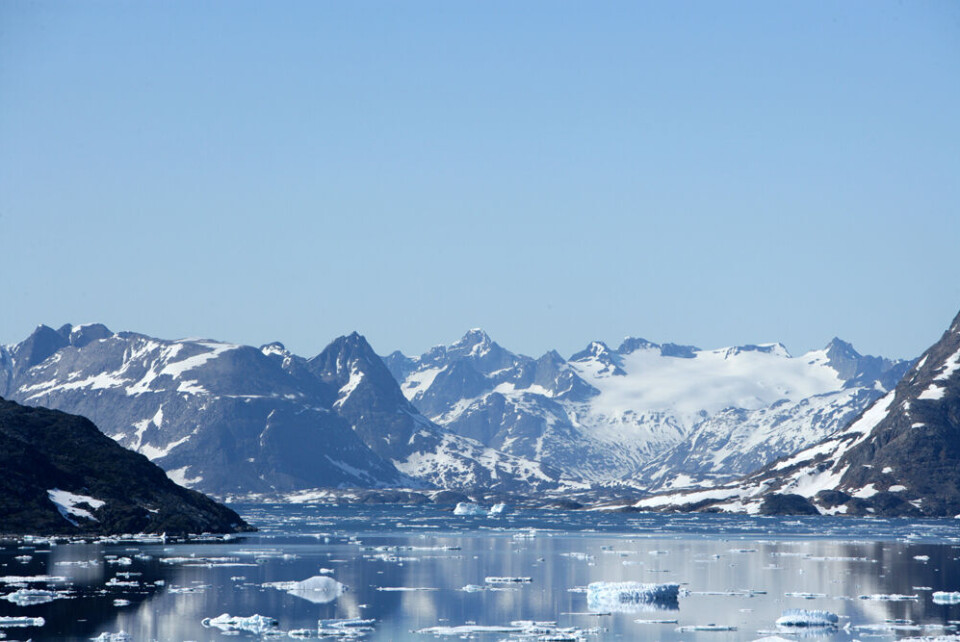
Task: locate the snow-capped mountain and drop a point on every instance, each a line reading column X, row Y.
column 662, row 415
column 233, row 419
column 901, row 456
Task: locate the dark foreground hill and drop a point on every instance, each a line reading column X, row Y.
column 60, row 475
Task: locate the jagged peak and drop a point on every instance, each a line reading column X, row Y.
column 838, row 347
column 274, row 347
column 552, row 356
column 595, row 350
column 473, row 337
column 632, row 344
column 777, row 349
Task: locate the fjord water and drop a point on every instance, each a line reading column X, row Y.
column 406, row 567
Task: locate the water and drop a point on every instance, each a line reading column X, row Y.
column 734, row 571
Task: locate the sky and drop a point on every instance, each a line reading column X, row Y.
column 706, row 173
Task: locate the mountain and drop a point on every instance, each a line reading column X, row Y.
column 646, row 414
column 233, row 420
column 61, row 475
column 901, row 456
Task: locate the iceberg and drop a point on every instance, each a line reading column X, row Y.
column 21, row 621
column 29, row 597
column 469, row 508
column 258, row 624
column 631, row 597
column 807, row 618
column 496, row 509
column 946, row 597
column 319, row 589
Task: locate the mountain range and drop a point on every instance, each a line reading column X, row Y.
column 237, row 420
column 645, row 414
column 899, row 457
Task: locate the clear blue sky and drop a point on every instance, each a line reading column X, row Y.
column 713, row 173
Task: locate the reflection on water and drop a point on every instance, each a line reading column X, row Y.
column 410, row 569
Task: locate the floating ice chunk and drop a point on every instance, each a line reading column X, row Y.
column 121, row 602
column 922, row 558
column 319, row 589
column 946, row 597
column 467, row 629
column 31, row 579
column 807, row 618
column 400, row 589
column 469, row 508
column 29, row 597
column 773, row 638
column 496, row 509
column 668, row 621
column 120, row 636
column 806, row 596
column 891, row 597
column 629, row 597
column 544, row 631
column 344, row 628
column 347, row 623
column 258, row 624
column 507, row 580
column 704, row 627
column 21, row 622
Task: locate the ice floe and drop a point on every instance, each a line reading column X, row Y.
column 469, row 508
column 695, row 628
column 319, row 589
column 946, row 597
column 29, row 597
column 629, row 597
column 507, row 580
column 802, row 618
column 20, row 622
column 258, row 624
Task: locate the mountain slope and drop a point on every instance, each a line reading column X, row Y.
column 62, row 475
column 901, row 456
column 370, row 399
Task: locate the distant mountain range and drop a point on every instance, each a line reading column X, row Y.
column 658, row 416
column 236, row 420
column 899, row 457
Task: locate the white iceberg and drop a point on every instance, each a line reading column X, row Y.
column 21, row 622
column 946, row 597
column 631, row 597
column 319, row 589
column 507, row 580
column 258, row 624
column 807, row 618
column 496, row 509
column 469, row 508
column 29, row 597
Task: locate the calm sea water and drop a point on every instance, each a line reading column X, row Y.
column 406, row 567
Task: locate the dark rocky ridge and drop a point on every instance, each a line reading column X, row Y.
column 42, row 450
